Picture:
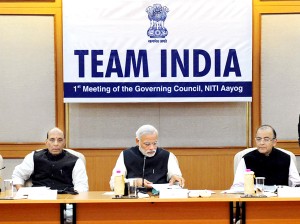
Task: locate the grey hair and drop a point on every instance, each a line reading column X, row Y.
column 144, row 130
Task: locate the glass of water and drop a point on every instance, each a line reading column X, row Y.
column 259, row 184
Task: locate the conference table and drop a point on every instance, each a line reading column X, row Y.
column 272, row 210
column 99, row 207
column 31, row 211
column 95, row 207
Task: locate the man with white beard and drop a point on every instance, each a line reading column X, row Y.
column 147, row 162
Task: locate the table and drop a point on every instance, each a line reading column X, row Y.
column 272, row 210
column 95, row 207
column 32, row 211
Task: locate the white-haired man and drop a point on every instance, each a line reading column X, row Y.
column 147, row 160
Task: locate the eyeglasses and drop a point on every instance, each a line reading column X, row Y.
column 266, row 139
column 147, row 144
column 52, row 140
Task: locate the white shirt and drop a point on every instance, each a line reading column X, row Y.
column 23, row 171
column 173, row 168
column 294, row 177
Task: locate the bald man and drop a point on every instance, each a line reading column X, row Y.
column 267, row 161
column 52, row 167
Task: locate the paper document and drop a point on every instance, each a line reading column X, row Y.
column 240, row 189
column 288, row 192
column 159, row 187
column 36, row 193
column 235, row 190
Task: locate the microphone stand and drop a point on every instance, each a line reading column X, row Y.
column 143, row 189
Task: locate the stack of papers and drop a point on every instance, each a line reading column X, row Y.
column 36, row 193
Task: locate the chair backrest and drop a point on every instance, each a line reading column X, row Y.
column 240, row 155
column 28, row 183
column 78, row 154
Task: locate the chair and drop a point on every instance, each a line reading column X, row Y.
column 28, row 183
column 78, row 154
column 240, row 155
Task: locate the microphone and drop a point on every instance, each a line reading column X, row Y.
column 143, row 189
column 2, row 168
column 299, row 130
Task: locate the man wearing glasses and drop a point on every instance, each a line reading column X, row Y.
column 148, row 162
column 267, row 161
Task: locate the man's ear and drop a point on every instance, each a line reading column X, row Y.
column 274, row 142
column 137, row 141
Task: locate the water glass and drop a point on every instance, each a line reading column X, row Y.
column 260, row 183
column 132, row 188
column 9, row 188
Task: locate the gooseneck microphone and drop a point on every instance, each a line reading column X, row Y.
column 143, row 189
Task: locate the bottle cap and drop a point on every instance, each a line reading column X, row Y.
column 249, row 171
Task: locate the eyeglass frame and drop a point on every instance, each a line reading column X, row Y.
column 266, row 139
column 53, row 140
column 148, row 144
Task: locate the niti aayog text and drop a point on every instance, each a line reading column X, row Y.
column 157, row 88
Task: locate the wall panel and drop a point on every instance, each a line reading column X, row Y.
column 27, row 84
column 179, row 124
column 280, row 73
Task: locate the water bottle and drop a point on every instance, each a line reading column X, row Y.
column 249, row 182
column 119, row 184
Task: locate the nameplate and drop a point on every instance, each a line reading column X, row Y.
column 173, row 193
column 288, row 192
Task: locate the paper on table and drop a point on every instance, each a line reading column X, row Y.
column 159, row 187
column 288, row 192
column 109, row 193
column 270, row 194
column 142, row 195
column 36, row 193
column 235, row 190
column 240, row 189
